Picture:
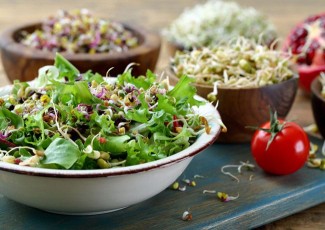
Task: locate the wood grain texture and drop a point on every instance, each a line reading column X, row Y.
column 155, row 15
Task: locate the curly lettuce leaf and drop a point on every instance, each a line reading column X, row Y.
column 165, row 104
column 46, row 75
column 144, row 82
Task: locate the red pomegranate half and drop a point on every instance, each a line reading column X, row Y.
column 306, row 42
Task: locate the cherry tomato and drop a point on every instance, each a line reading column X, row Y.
column 286, row 153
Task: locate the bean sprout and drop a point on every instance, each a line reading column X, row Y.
column 239, row 63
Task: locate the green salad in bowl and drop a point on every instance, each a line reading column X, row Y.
column 68, row 120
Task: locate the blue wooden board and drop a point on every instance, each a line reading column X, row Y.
column 263, row 199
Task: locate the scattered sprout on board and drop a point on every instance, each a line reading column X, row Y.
column 78, row 31
column 315, row 161
column 214, row 21
column 239, row 63
column 222, row 196
column 68, row 120
column 187, row 215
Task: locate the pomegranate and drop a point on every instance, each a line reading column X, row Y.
column 306, row 42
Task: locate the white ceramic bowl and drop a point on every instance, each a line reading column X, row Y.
column 98, row 191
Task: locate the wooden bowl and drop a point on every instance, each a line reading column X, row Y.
column 22, row 62
column 318, row 105
column 244, row 107
column 173, row 47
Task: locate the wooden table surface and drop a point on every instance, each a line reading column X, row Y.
column 155, row 15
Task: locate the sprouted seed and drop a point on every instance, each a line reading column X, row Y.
column 78, row 31
column 209, row 191
column 177, row 186
column 182, row 189
column 224, row 197
column 189, row 182
column 198, row 176
column 239, row 167
column 312, row 128
column 238, row 63
column 208, row 23
column 187, row 215
column 313, row 160
column 313, row 150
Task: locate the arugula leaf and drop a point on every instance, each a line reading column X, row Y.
column 184, row 89
column 14, row 119
column 61, row 152
column 74, row 94
column 115, row 144
column 66, row 69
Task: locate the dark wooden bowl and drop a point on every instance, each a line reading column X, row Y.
column 318, row 105
column 22, row 62
column 173, row 47
column 244, row 107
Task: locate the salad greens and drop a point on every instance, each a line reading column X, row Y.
column 68, row 120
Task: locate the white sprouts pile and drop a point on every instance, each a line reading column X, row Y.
column 205, row 24
column 239, row 63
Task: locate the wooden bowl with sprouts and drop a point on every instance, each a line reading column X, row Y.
column 208, row 23
column 318, row 102
column 245, row 80
column 106, row 47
